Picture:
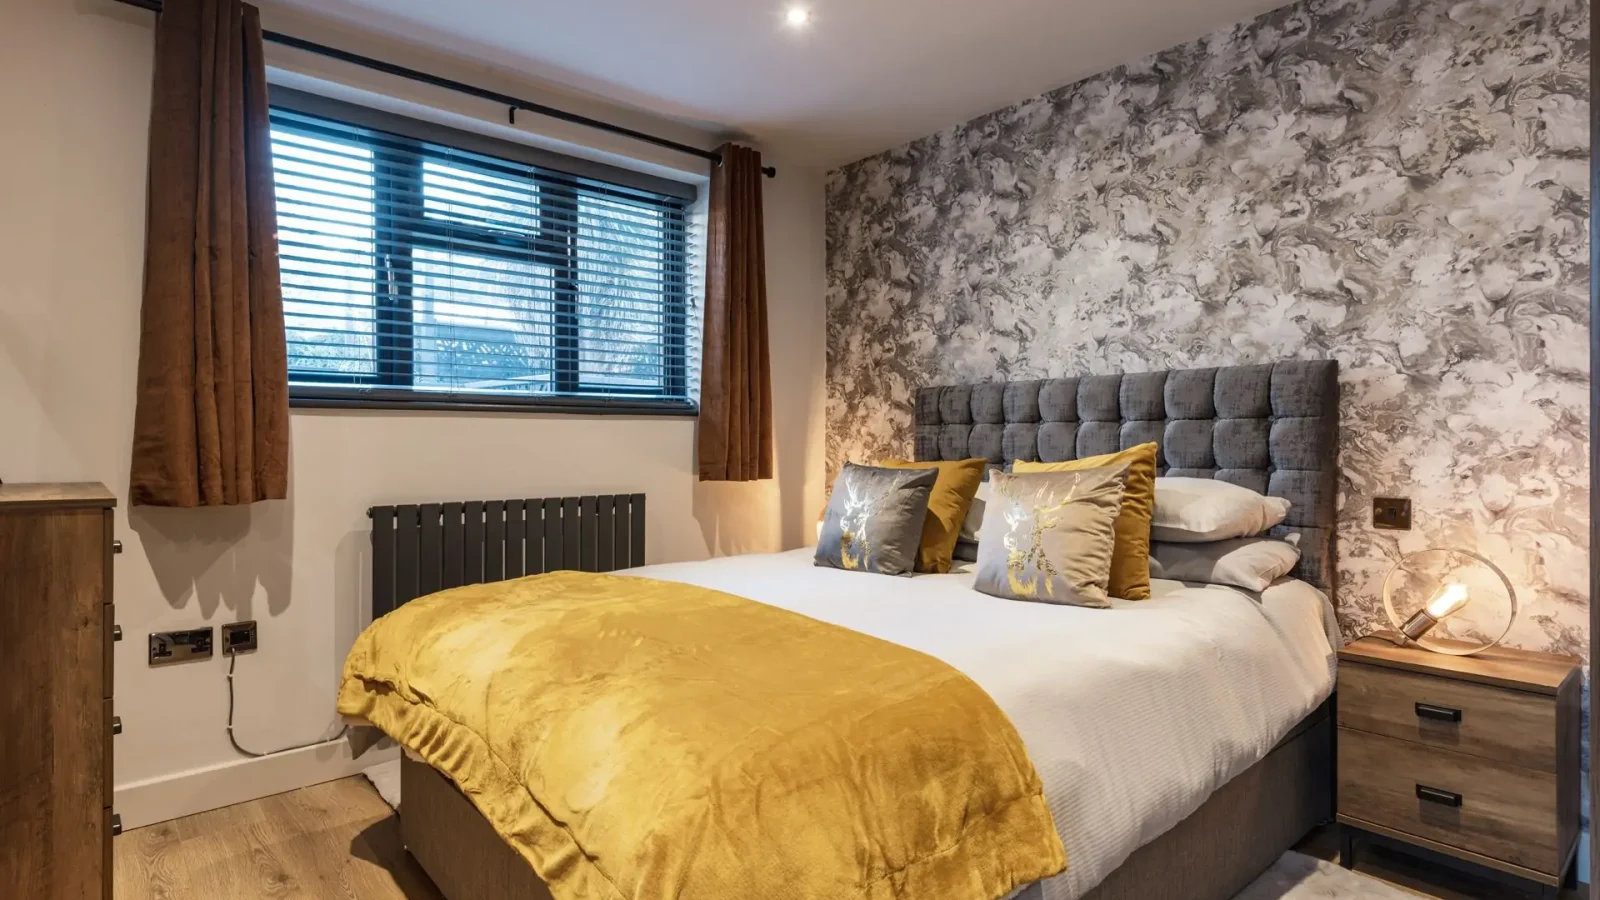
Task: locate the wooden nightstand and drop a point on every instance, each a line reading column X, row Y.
column 1474, row 757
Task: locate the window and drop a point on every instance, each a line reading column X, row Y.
column 420, row 271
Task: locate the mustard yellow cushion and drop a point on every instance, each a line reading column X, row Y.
column 1130, row 558
column 947, row 507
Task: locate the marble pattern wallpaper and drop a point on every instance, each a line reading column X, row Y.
column 1401, row 185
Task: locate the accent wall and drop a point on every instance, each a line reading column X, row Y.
column 1401, row 186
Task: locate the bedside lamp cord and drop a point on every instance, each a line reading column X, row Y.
column 233, row 659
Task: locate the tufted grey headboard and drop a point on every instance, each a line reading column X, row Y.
column 1272, row 428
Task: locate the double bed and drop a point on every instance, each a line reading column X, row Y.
column 1183, row 741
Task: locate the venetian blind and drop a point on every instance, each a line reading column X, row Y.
column 414, row 268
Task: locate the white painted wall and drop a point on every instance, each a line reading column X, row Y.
column 74, row 100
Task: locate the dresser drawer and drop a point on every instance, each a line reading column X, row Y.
column 107, row 769
column 1486, row 807
column 108, row 626
column 1495, row 723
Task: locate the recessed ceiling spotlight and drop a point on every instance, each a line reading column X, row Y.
column 797, row 17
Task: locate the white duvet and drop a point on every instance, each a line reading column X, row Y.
column 1133, row 716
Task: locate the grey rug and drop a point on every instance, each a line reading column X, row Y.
column 385, row 777
column 1294, row 876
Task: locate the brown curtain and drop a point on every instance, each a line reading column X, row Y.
column 211, row 426
column 735, row 370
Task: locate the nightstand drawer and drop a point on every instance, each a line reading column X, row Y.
column 1498, row 810
column 1495, row 723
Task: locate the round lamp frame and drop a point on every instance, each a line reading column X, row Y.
column 1396, row 621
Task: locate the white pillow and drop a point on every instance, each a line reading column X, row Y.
column 1250, row 563
column 974, row 520
column 1196, row 510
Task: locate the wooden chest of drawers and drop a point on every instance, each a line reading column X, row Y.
column 56, row 629
column 1473, row 757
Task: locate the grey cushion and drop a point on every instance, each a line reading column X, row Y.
column 1048, row 536
column 1272, row 428
column 874, row 519
column 1251, row 563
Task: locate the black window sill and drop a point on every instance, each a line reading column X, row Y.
column 358, row 398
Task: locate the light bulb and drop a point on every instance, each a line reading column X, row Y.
column 797, row 17
column 1448, row 601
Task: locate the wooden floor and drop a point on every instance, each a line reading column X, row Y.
column 339, row 840
column 334, row 840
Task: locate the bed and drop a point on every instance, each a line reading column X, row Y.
column 1184, row 741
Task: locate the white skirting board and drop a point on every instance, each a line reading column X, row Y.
column 199, row 790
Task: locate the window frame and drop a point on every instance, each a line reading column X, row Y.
column 388, row 387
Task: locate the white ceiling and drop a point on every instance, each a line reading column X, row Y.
column 864, row 76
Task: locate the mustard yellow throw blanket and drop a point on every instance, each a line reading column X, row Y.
column 649, row 740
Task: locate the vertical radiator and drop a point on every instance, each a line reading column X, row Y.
column 423, row 548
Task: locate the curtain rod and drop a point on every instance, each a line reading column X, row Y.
column 511, row 103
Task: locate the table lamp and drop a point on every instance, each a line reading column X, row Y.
column 1439, row 584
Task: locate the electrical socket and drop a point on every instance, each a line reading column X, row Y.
column 239, row 637
column 179, row 646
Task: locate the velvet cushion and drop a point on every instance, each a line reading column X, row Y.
column 874, row 519
column 1049, row 536
column 952, row 494
column 1130, row 562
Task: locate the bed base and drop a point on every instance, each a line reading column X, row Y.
column 1211, row 855
column 455, row 844
column 1240, row 830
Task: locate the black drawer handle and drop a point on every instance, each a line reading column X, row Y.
column 1441, row 713
column 116, row 632
column 116, row 825
column 116, row 546
column 1434, row 795
column 116, row 724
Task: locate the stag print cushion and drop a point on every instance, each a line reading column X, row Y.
column 1048, row 536
column 874, row 519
